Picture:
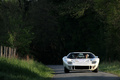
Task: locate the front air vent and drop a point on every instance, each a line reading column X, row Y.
column 82, row 67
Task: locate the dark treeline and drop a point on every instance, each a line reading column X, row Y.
column 50, row 29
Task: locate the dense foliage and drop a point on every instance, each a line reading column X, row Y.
column 50, row 29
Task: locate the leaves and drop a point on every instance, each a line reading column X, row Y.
column 57, row 27
column 16, row 29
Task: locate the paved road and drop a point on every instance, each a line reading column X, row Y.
column 80, row 75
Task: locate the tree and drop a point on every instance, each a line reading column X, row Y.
column 16, row 31
column 110, row 11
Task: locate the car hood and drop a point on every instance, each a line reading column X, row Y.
column 81, row 61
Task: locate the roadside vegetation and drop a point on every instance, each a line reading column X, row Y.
column 57, row 27
column 110, row 67
column 14, row 69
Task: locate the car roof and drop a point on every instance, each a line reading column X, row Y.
column 80, row 52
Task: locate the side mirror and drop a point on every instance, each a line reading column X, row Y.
column 96, row 56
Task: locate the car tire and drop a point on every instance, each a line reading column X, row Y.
column 66, row 70
column 96, row 70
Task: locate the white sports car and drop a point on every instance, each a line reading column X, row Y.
column 80, row 60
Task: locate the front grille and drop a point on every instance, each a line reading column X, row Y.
column 82, row 67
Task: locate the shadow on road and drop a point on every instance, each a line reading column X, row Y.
column 86, row 78
column 81, row 71
column 80, row 75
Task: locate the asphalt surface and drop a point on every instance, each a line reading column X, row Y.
column 80, row 75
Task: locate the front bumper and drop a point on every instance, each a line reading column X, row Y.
column 80, row 66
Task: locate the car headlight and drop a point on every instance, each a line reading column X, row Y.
column 94, row 62
column 69, row 62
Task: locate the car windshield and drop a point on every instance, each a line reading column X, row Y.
column 80, row 55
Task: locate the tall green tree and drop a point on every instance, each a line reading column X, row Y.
column 110, row 11
column 15, row 27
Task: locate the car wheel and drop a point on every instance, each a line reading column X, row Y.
column 66, row 70
column 96, row 70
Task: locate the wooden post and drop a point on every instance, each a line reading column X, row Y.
column 9, row 52
column 16, row 56
column 4, row 51
column 1, row 51
column 14, row 52
column 28, row 58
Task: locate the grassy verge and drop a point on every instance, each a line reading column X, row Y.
column 14, row 69
column 113, row 67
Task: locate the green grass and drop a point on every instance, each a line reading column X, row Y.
column 14, row 69
column 113, row 67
